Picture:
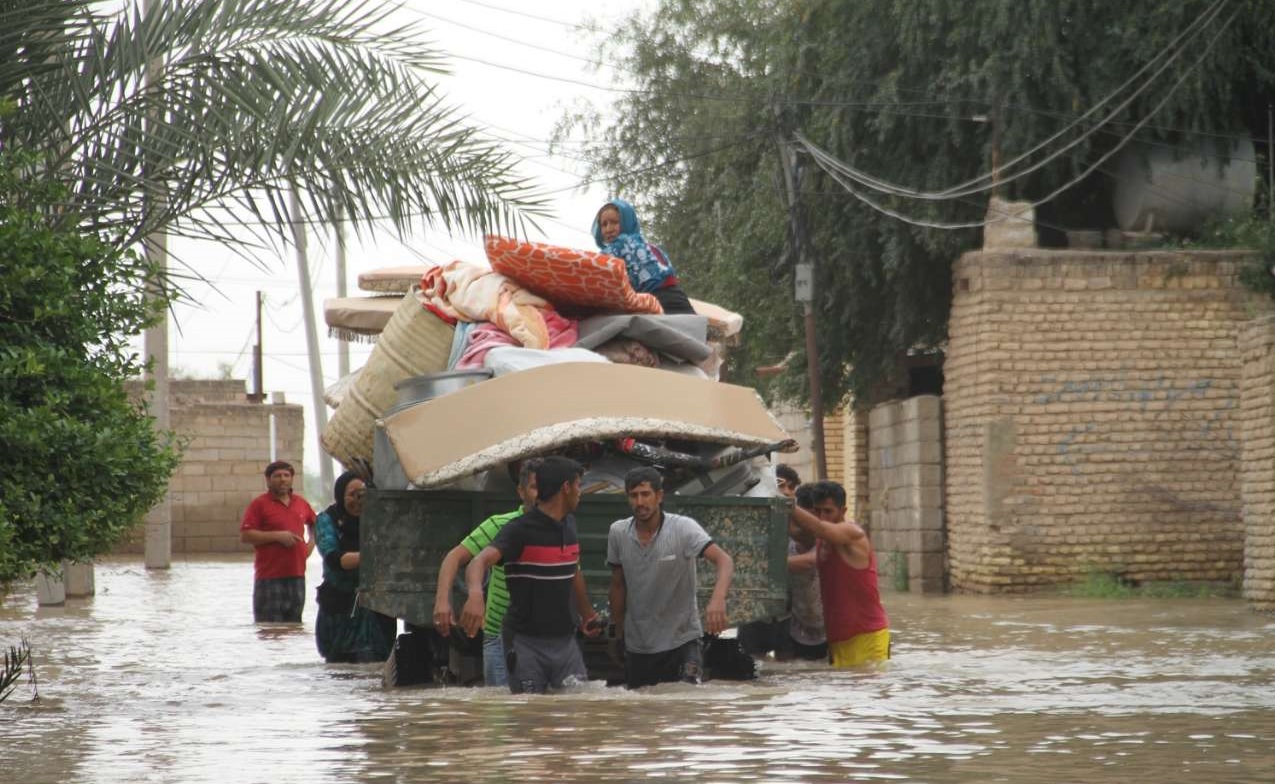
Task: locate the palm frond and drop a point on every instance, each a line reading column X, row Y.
column 248, row 98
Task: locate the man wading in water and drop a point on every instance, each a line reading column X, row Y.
column 275, row 524
column 652, row 556
column 541, row 556
column 856, row 623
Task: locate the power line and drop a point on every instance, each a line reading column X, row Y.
column 666, row 162
column 571, row 25
column 996, row 177
column 826, row 161
column 498, row 36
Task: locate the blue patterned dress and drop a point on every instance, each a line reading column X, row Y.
column 345, row 631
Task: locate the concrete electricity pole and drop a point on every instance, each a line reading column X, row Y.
column 311, row 332
column 159, row 520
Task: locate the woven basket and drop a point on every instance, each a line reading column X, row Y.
column 334, row 394
column 415, row 342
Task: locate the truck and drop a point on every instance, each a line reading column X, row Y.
column 712, row 441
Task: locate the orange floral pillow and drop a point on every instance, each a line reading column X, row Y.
column 566, row 276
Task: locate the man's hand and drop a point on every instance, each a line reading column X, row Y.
column 592, row 626
column 471, row 616
column 715, row 615
column 443, row 614
column 287, row 538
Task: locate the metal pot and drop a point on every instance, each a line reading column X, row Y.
column 421, row 388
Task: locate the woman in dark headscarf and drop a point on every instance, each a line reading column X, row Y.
column 346, row 632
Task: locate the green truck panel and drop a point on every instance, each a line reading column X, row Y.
column 406, row 533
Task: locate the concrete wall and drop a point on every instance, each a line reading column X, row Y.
column 905, row 485
column 1257, row 411
column 228, row 447
column 1092, row 402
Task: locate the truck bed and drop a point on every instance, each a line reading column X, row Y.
column 406, row 533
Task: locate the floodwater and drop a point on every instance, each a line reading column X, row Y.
column 163, row 677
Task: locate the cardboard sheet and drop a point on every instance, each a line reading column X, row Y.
column 539, row 410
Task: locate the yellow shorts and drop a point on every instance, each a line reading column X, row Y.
column 860, row 649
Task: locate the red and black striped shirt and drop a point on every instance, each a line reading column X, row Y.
column 540, row 556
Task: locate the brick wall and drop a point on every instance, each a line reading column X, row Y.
column 1092, row 410
column 228, row 447
column 1257, row 411
column 905, row 485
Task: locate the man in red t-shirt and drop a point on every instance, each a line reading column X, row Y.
column 275, row 524
column 856, row 624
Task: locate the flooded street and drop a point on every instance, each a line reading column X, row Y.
column 163, row 677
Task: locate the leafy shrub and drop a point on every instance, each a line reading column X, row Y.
column 82, row 463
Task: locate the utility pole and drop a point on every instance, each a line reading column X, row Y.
column 804, row 293
column 158, row 546
column 258, row 361
column 343, row 345
column 311, row 331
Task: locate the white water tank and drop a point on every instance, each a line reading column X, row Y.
column 1160, row 187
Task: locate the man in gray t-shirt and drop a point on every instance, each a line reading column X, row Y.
column 652, row 557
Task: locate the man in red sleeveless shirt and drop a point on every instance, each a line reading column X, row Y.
column 857, row 626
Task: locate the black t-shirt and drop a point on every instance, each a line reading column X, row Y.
column 540, row 556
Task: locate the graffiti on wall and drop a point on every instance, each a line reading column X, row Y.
column 1156, row 402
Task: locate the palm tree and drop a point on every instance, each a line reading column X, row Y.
column 247, row 99
column 199, row 118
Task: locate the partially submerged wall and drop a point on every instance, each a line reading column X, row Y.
column 1092, row 407
column 1258, row 425
column 221, row 471
column 905, row 491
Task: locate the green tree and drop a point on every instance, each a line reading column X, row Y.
column 912, row 92
column 198, row 118
column 84, row 462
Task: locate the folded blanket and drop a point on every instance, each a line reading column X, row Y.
column 485, row 337
column 681, row 337
column 466, row 292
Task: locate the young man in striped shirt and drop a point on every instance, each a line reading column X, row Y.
column 497, row 600
column 541, row 555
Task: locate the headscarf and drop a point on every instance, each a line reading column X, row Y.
column 646, row 263
column 347, row 525
column 628, row 221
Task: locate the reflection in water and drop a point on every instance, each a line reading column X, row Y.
column 163, row 677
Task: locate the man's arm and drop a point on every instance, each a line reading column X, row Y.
column 257, row 538
column 617, row 596
column 802, row 562
column 584, row 606
column 832, row 533
column 471, row 616
column 457, row 557
column 715, row 613
column 849, row 539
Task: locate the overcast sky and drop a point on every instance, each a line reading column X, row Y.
column 516, row 92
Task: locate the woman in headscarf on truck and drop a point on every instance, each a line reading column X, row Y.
column 617, row 232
